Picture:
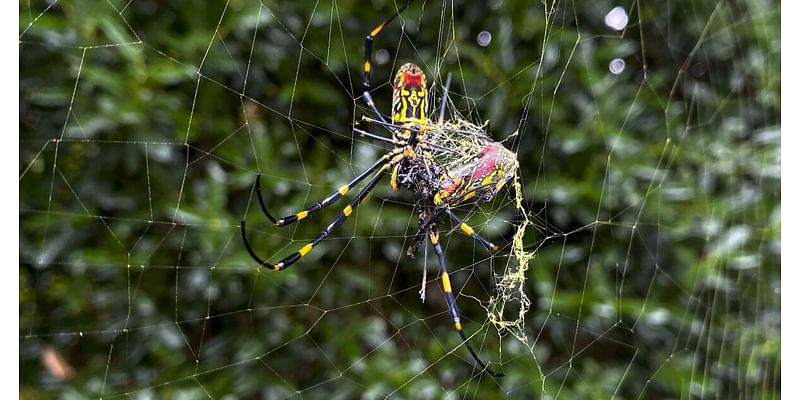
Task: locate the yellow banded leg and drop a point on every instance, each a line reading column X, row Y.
column 328, row 200
column 368, row 44
column 469, row 231
column 335, row 223
column 393, row 180
column 447, row 288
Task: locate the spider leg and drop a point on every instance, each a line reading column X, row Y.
column 371, row 104
column 468, row 230
column 330, row 199
column 335, row 223
column 393, row 180
column 451, row 303
column 373, row 136
column 368, row 50
column 424, row 275
column 422, row 231
column 444, row 97
column 390, row 126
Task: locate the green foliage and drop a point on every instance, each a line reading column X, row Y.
column 655, row 191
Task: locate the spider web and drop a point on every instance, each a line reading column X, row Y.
column 640, row 239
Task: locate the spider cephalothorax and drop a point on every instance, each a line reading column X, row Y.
column 444, row 164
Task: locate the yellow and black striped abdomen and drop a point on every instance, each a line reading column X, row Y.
column 410, row 95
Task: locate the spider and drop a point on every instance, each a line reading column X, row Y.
column 444, row 164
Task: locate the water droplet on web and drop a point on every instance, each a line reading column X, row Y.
column 382, row 56
column 484, row 38
column 617, row 18
column 616, row 66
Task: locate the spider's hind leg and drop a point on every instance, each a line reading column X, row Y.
column 451, row 303
column 424, row 275
column 468, row 230
column 419, row 237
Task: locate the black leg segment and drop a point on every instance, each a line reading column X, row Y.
column 335, row 223
column 328, row 200
column 451, row 303
column 368, row 45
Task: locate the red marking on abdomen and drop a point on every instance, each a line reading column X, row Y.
column 412, row 80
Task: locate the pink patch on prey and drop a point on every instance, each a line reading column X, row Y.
column 488, row 158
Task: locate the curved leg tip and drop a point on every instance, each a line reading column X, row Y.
column 250, row 250
column 494, row 374
column 261, row 202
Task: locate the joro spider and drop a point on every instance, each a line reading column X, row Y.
column 443, row 163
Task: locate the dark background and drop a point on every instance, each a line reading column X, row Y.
column 654, row 195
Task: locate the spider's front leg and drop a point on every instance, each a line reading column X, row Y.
column 368, row 60
column 335, row 223
column 328, row 200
